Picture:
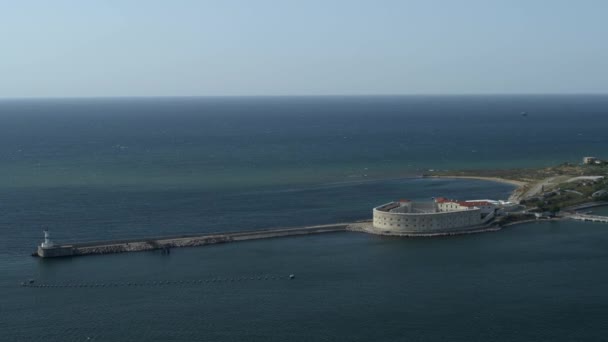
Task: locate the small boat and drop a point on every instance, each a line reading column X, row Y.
column 524, row 113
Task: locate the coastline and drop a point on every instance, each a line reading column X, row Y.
column 554, row 219
column 515, row 194
column 586, row 206
column 519, row 184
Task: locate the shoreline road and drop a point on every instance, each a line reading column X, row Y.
column 537, row 187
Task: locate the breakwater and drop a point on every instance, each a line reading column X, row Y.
column 592, row 218
column 159, row 283
column 166, row 243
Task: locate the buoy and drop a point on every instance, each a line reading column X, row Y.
column 291, row 276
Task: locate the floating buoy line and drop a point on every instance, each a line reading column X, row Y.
column 35, row 284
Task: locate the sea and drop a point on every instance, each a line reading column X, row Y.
column 115, row 168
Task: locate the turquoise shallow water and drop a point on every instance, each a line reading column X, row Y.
column 102, row 169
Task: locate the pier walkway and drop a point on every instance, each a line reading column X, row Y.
column 585, row 217
column 166, row 243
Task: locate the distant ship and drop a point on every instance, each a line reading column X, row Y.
column 524, row 113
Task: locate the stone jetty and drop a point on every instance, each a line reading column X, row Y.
column 592, row 218
column 51, row 250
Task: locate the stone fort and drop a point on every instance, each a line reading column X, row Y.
column 440, row 216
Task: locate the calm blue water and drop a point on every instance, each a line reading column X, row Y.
column 102, row 169
column 245, row 142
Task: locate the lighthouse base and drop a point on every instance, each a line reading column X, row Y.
column 55, row 251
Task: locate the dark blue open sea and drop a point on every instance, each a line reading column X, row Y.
column 96, row 169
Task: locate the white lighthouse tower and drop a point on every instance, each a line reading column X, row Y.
column 47, row 240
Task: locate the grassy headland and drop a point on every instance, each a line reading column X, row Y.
column 545, row 189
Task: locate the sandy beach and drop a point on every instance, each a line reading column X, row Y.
column 493, row 179
column 515, row 194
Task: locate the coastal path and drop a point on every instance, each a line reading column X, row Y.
column 592, row 218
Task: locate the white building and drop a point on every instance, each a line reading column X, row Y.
column 590, row 160
column 486, row 206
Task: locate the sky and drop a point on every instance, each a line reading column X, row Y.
column 307, row 47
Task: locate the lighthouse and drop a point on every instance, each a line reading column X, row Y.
column 48, row 249
column 47, row 240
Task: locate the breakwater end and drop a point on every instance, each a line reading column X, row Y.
column 168, row 242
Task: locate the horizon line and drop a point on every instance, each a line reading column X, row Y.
column 101, row 97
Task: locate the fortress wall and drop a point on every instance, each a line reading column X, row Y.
column 450, row 206
column 423, row 207
column 425, row 223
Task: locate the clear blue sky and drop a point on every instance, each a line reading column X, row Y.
column 306, row 47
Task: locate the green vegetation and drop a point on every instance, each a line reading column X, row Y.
column 562, row 195
column 548, row 189
column 530, row 175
